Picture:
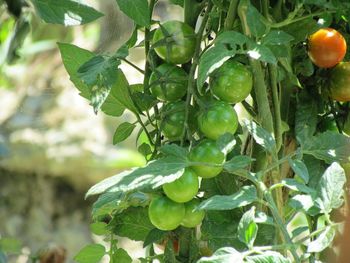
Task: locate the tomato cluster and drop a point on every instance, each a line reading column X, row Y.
column 175, row 43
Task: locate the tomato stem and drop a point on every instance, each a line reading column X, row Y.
column 231, row 15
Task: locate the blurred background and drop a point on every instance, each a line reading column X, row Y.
column 52, row 145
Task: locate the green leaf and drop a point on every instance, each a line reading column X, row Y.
column 247, row 228
column 260, row 135
column 322, row 242
column 65, row 12
column 73, row 57
column 137, row 10
column 305, row 117
column 268, row 257
column 261, row 52
column 304, row 203
column 99, row 228
column 226, row 143
column 237, row 163
column 244, row 197
column 329, row 146
column 90, row 254
column 121, row 256
column 10, row 245
column 133, row 223
column 174, row 150
column 123, row 131
column 296, row 186
column 109, row 203
column 331, row 188
column 276, row 37
column 299, row 169
column 223, row 255
column 212, row 59
column 153, row 236
column 257, row 23
column 100, row 71
column 231, row 38
column 154, row 175
column 169, row 253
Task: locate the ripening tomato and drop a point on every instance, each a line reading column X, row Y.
column 232, row 82
column 192, row 218
column 326, row 47
column 168, row 82
column 165, row 214
column 184, row 188
column 175, row 42
column 217, row 119
column 340, row 82
column 207, row 152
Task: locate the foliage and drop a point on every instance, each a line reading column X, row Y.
column 279, row 167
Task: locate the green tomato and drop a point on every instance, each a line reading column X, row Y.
column 192, row 218
column 165, row 214
column 340, row 82
column 207, row 152
column 178, row 42
column 217, row 119
column 173, row 120
column 168, row 82
column 232, row 82
column 184, row 188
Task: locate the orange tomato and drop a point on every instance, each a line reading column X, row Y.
column 326, row 47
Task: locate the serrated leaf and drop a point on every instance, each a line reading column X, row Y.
column 73, row 57
column 329, row 147
column 133, row 223
column 137, row 10
column 244, row 197
column 260, row 135
column 299, row 169
column 231, row 38
column 90, row 254
column 120, row 256
column 323, row 241
column 277, row 37
column 153, row 175
column 331, row 188
column 247, row 228
column 65, row 12
column 223, row 255
column 237, row 163
column 296, row 186
column 268, row 257
column 123, row 131
column 212, row 59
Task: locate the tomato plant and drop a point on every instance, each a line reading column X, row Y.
column 232, row 82
column 166, row 214
column 168, row 82
column 176, row 42
column 183, row 189
column 327, row 47
column 217, row 119
column 265, row 191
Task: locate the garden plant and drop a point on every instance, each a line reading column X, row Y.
column 220, row 187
